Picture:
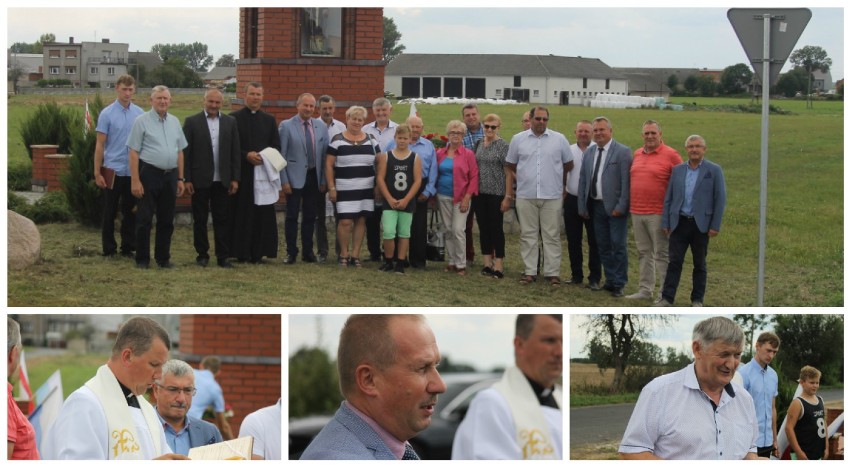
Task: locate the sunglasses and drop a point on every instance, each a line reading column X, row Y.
column 490, row 127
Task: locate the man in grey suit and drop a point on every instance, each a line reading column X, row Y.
column 692, row 214
column 604, row 196
column 212, row 172
column 173, row 392
column 389, row 377
column 304, row 143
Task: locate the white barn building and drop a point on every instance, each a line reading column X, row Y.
column 536, row 79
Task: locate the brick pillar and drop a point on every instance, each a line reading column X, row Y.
column 270, row 53
column 250, row 348
column 47, row 167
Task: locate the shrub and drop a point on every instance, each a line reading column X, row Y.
column 50, row 125
column 20, row 177
column 15, row 202
column 85, row 198
column 51, row 208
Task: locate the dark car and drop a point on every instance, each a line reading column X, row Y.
column 436, row 442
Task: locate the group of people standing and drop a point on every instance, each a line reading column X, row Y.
column 381, row 177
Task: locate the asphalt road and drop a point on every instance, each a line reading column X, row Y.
column 598, row 424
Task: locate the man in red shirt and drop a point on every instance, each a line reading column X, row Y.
column 649, row 178
column 20, row 438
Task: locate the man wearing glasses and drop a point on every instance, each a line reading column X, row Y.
column 173, row 393
column 540, row 159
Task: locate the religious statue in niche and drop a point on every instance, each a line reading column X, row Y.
column 314, row 40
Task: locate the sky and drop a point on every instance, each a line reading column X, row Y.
column 481, row 340
column 618, row 36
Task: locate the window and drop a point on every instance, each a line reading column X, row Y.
column 53, row 54
column 93, row 70
column 71, row 53
column 585, row 83
column 517, row 81
column 607, row 83
column 70, row 70
column 555, row 93
column 321, row 30
column 110, row 71
column 535, row 93
column 411, row 87
column 54, row 70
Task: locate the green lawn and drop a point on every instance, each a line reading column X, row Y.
column 76, row 369
column 804, row 261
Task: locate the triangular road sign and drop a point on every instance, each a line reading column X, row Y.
column 786, row 26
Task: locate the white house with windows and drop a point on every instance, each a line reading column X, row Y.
column 537, row 79
column 86, row 64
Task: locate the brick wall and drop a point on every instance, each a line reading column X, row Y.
column 47, row 167
column 355, row 78
column 250, row 348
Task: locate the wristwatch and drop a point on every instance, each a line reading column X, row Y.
column 182, row 179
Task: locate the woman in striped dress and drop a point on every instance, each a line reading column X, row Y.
column 351, row 176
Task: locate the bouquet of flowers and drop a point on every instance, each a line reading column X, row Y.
column 440, row 141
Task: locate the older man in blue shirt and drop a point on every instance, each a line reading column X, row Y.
column 173, row 393
column 156, row 176
column 761, row 381
column 113, row 128
column 429, row 168
column 540, row 158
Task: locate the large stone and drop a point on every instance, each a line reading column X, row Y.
column 24, row 242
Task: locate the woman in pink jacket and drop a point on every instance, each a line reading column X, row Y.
column 458, row 181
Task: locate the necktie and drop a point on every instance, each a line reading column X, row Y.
column 309, row 146
column 595, row 173
column 409, row 453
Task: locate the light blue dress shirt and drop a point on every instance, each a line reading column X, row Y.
column 209, row 394
column 115, row 121
column 178, row 441
column 689, row 189
column 762, row 385
column 675, row 419
column 539, row 161
column 157, row 140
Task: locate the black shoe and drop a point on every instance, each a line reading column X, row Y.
column 128, row 254
column 399, row 268
column 573, row 281
column 594, row 286
column 290, row 259
column 321, row 258
column 225, row 264
column 618, row 292
column 375, row 259
column 166, row 265
column 108, row 254
column 142, row 265
column 387, row 266
column 310, row 258
column 418, row 265
column 202, row 261
column 487, row 271
column 609, row 287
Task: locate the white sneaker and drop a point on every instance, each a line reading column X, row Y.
column 640, row 295
column 662, row 302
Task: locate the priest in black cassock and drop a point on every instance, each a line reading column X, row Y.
column 255, row 228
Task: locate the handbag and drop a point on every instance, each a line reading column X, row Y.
column 434, row 240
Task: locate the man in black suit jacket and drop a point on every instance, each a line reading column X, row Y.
column 212, row 171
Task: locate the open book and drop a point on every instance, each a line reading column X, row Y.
column 239, row 448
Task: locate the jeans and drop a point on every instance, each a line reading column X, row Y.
column 611, row 234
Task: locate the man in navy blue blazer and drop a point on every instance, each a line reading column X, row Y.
column 692, row 214
column 389, row 377
column 604, row 196
column 304, row 143
column 173, row 392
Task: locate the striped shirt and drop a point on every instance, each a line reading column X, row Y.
column 354, row 174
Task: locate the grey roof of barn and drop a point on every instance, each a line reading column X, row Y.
column 481, row 65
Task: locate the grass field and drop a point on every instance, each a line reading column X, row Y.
column 804, row 262
column 76, row 369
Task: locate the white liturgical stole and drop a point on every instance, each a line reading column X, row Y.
column 531, row 426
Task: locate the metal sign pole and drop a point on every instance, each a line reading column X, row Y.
column 764, row 158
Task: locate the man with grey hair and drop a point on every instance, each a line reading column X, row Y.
column 692, row 214
column 104, row 419
column 388, row 366
column 173, row 394
column 156, row 145
column 20, row 439
column 697, row 412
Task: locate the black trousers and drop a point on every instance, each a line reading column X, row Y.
column 160, row 188
column 374, row 232
column 492, row 240
column 304, row 200
column 417, row 242
column 574, row 225
column 322, row 231
column 119, row 196
column 215, row 200
column 687, row 235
